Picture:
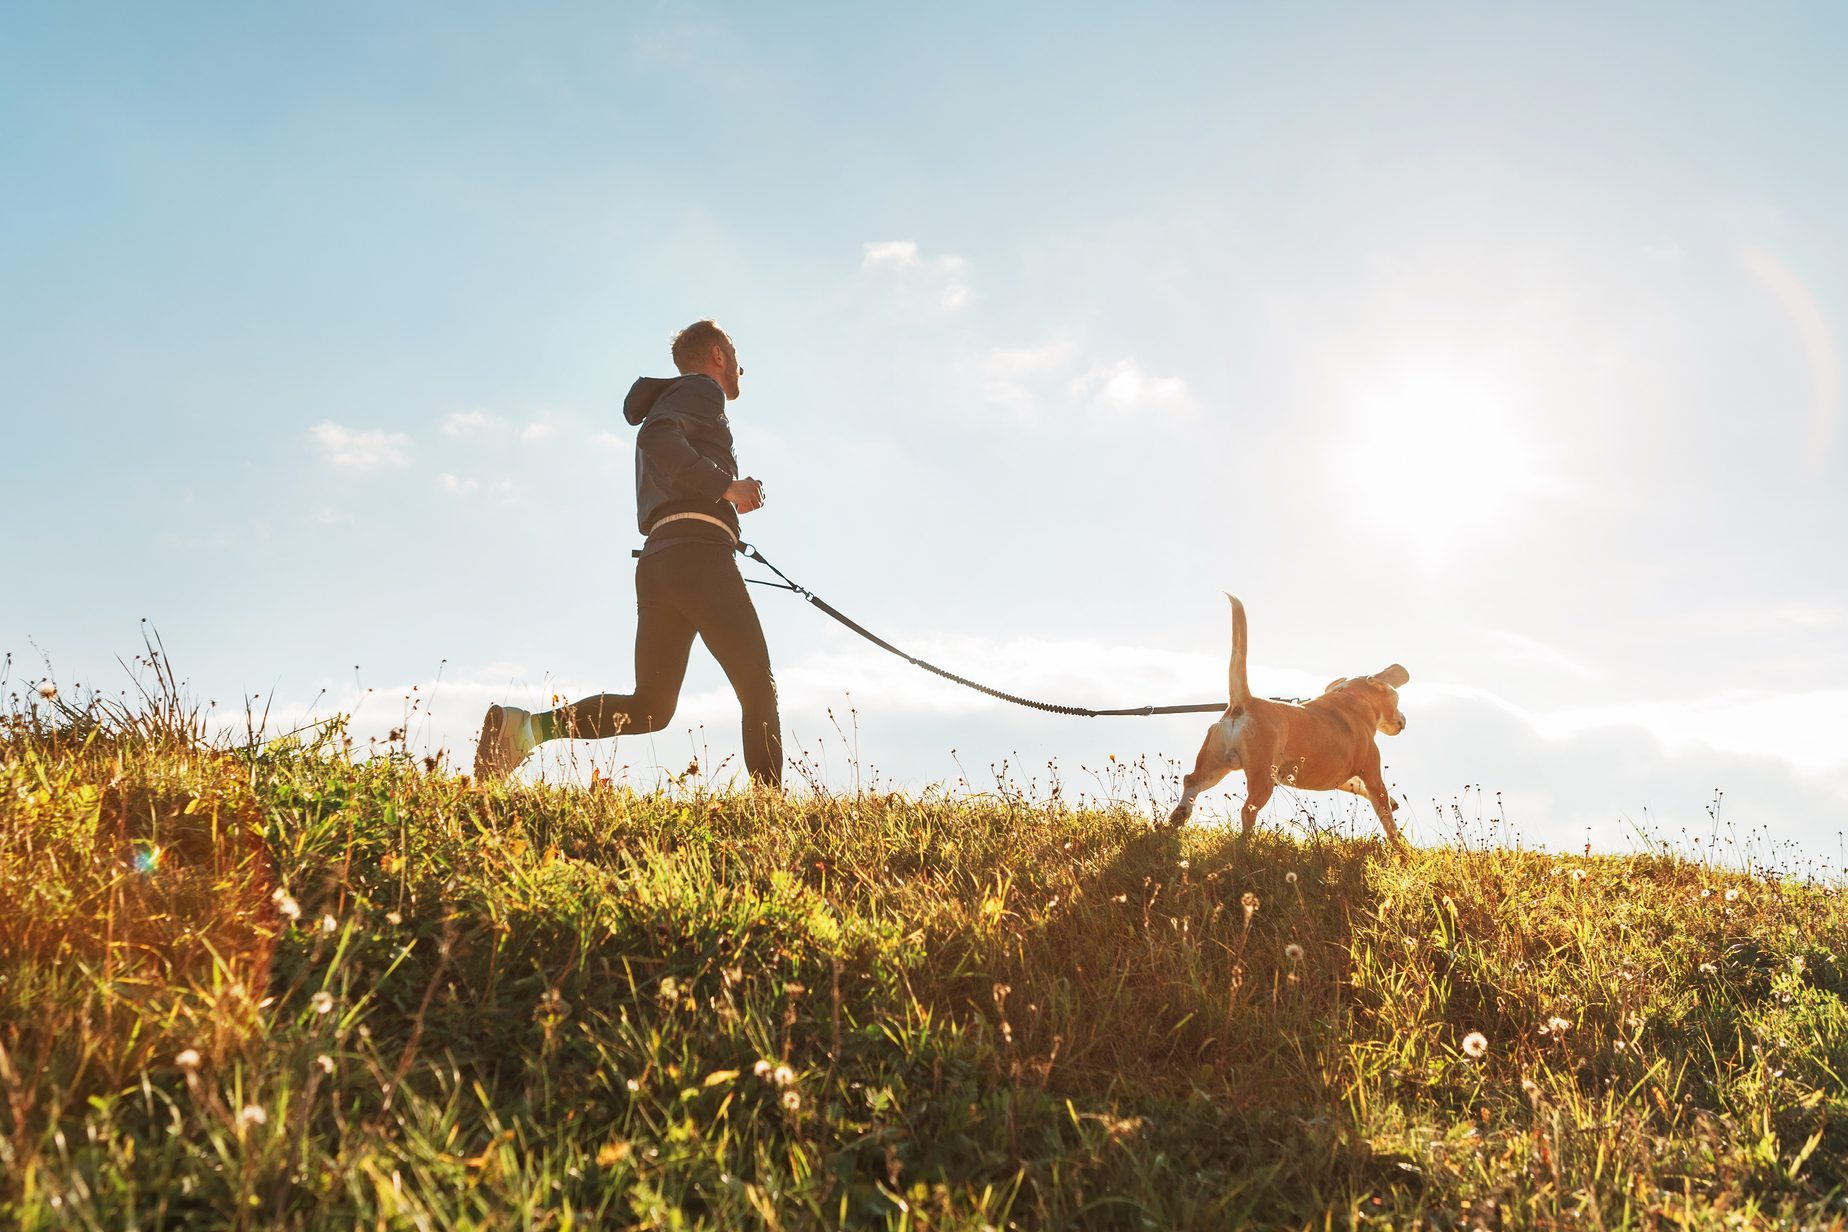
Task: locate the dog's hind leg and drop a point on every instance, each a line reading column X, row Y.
column 1216, row 760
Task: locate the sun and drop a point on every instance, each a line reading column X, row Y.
column 1445, row 453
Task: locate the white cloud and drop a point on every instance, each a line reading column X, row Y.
column 537, row 430
column 1122, row 388
column 459, row 487
column 947, row 275
column 355, row 450
column 471, row 423
column 1018, row 377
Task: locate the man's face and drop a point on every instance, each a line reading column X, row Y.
column 725, row 355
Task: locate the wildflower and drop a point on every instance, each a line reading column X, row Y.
column 762, row 1068
column 1578, row 874
column 670, row 988
column 1706, row 893
column 393, row 918
column 1293, row 952
column 1558, row 1025
column 322, row 1002
column 1249, row 902
column 783, row 1075
column 1732, row 894
column 1185, row 865
column 290, row 909
column 252, row 1114
column 48, row 691
column 634, row 1085
column 1475, row 1045
column 325, row 1062
column 187, row 1059
column 1289, row 878
column 329, row 924
column 791, row 1100
column 1708, row 968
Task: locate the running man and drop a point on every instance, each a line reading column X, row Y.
column 688, row 498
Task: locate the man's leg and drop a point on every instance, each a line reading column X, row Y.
column 728, row 624
column 663, row 640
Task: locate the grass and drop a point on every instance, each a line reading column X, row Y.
column 272, row 986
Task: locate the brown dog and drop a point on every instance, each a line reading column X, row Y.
column 1323, row 745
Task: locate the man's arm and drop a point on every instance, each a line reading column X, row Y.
column 688, row 473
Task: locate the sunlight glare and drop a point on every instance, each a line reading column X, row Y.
column 1443, row 455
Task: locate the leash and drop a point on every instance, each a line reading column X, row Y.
column 875, row 639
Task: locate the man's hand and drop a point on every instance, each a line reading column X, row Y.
column 745, row 494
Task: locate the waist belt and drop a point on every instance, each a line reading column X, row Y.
column 697, row 517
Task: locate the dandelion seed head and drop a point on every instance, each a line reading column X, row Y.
column 763, row 1068
column 1558, row 1025
column 48, row 691
column 1732, row 894
column 329, row 924
column 322, row 1002
column 783, row 1075
column 1293, row 952
column 792, row 1100
column 1289, row 878
column 1475, row 1045
column 290, row 909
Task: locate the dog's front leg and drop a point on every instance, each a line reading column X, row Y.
column 1375, row 784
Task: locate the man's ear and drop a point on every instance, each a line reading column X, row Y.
column 1395, row 676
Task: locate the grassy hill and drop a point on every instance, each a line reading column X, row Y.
column 278, row 988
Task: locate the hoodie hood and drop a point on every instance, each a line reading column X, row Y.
column 643, row 395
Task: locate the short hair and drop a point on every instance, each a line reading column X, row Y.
column 691, row 343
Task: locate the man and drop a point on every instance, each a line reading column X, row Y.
column 688, row 498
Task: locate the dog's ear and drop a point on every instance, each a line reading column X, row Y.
column 1395, row 676
column 1335, row 684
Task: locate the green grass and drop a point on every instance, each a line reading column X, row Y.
column 279, row 988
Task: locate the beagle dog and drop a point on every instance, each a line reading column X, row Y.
column 1322, row 745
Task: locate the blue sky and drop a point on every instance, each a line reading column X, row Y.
column 1499, row 343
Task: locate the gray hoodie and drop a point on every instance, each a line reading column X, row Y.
column 683, row 454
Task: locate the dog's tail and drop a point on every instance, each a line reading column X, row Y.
column 1235, row 676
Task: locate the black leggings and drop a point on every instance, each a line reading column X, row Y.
column 680, row 591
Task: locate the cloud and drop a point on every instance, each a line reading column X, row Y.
column 945, row 276
column 1122, row 388
column 1018, row 377
column 537, row 430
column 1024, row 378
column 355, row 450
column 471, row 423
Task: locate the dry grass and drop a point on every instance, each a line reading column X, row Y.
column 273, row 987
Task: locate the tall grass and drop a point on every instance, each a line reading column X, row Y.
column 267, row 985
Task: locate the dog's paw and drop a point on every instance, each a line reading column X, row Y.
column 1179, row 816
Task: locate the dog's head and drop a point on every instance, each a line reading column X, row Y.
column 1380, row 692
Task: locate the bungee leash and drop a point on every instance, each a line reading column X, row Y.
column 1078, row 711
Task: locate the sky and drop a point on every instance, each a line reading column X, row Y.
column 1502, row 342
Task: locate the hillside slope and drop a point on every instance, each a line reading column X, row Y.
column 281, row 989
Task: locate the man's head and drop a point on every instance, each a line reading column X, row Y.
column 704, row 347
